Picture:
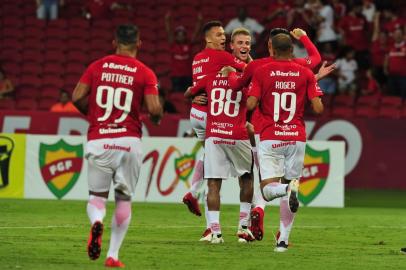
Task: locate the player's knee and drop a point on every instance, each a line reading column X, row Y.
column 121, row 196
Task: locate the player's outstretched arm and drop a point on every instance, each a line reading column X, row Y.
column 325, row 70
column 79, row 97
column 317, row 105
column 314, row 57
column 154, row 108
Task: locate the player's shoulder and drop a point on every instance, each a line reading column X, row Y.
column 259, row 62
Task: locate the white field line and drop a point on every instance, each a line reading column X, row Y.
column 317, row 227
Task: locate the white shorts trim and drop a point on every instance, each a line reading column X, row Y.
column 226, row 158
column 198, row 123
column 281, row 159
column 116, row 160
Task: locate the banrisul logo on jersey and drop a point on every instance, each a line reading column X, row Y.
column 315, row 174
column 61, row 165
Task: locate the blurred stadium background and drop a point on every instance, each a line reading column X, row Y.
column 40, row 57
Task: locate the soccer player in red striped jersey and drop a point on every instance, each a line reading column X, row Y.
column 237, row 82
column 280, row 88
column 110, row 93
column 208, row 61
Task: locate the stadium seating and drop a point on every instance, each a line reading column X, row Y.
column 40, row 54
column 368, row 101
column 26, row 104
column 7, row 104
column 44, row 104
column 344, row 101
column 389, row 112
column 342, row 112
column 366, row 112
column 391, row 101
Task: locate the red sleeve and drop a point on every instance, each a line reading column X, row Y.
column 199, row 86
column 313, row 58
column 313, row 89
column 255, row 86
column 87, row 77
column 150, row 83
column 230, row 60
column 238, row 82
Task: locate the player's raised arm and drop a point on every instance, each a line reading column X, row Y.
column 325, row 70
column 314, row 57
column 238, row 82
column 314, row 93
column 197, row 88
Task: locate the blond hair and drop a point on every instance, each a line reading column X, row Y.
column 240, row 31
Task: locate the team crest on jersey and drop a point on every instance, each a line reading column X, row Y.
column 60, row 165
column 184, row 166
column 315, row 174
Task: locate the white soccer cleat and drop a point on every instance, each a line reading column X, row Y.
column 206, row 237
column 245, row 235
column 281, row 247
column 217, row 239
column 293, row 191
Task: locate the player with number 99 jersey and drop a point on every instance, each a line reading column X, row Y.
column 227, row 147
column 118, row 84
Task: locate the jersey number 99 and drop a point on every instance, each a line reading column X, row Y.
column 109, row 98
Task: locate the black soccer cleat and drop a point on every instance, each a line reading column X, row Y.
column 95, row 240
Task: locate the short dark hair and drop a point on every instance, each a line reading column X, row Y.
column 277, row 31
column 209, row 25
column 127, row 34
column 282, row 43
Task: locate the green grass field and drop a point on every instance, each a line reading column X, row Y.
column 39, row 234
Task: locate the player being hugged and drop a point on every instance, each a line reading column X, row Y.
column 279, row 89
column 110, row 93
column 209, row 61
column 227, row 151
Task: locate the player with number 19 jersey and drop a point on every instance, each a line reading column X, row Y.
column 281, row 88
column 117, row 86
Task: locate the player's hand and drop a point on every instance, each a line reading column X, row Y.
column 200, row 100
column 325, row 70
column 297, row 33
column 250, row 128
column 226, row 70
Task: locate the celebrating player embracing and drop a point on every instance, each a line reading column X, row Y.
column 280, row 89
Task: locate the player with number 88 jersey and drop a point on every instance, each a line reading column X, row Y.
column 227, row 149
